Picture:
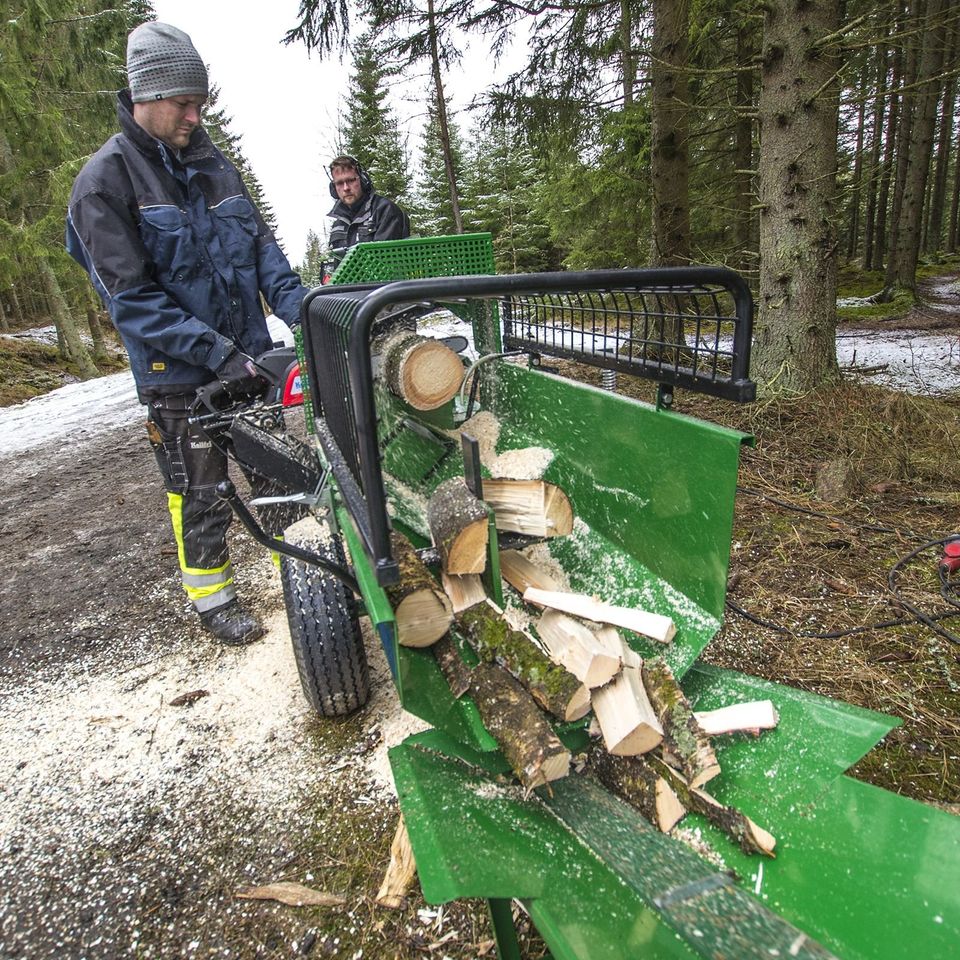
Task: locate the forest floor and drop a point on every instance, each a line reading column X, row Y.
column 130, row 819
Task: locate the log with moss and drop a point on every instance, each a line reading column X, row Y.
column 459, row 527
column 509, row 713
column 421, row 608
column 640, row 785
column 556, row 689
column 750, row 837
column 422, row 371
column 685, row 746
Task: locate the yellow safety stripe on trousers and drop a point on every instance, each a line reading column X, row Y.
column 202, row 585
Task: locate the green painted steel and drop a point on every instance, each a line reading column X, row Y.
column 866, row 873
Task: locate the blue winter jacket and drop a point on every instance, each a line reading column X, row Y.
column 179, row 254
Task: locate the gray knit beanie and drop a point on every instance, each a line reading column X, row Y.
column 163, row 62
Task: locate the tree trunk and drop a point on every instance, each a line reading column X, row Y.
column 889, row 150
column 955, row 200
column 96, row 332
column 921, row 144
column 442, row 117
column 944, row 143
column 853, row 216
column 669, row 160
column 743, row 173
column 876, row 140
column 796, row 336
column 73, row 348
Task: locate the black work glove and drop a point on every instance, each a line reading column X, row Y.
column 239, row 377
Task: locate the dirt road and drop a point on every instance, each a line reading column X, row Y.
column 129, row 822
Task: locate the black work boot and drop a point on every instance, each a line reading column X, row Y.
column 232, row 625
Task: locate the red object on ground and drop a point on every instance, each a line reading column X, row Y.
column 293, row 388
column 951, row 557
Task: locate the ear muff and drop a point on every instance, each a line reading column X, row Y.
column 365, row 182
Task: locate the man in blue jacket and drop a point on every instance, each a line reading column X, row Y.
column 180, row 255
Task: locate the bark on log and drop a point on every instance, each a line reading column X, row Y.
column 458, row 526
column 584, row 653
column 421, row 608
column 653, row 625
column 400, row 872
column 750, row 837
column 555, row 689
column 532, row 507
column 640, row 785
column 423, row 372
column 530, row 746
column 751, row 717
column 685, row 745
column 454, row 670
column 627, row 719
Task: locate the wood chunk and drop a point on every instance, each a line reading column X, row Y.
column 459, row 528
column 464, row 590
column 423, row 372
column 750, row 837
column 421, row 608
column 627, row 720
column 554, row 688
column 578, row 648
column 640, row 785
column 685, row 745
column 653, row 625
column 521, row 573
column 750, row 717
column 400, row 872
column 530, row 746
column 454, row 670
column 533, row 507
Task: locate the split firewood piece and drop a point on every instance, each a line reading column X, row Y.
column 533, row 507
column 586, row 654
column 421, row 608
column 530, row 746
column 750, row 837
column 423, row 372
column 653, row 625
column 556, row 689
column 751, row 717
column 521, row 573
column 464, row 591
column 400, row 872
column 627, row 720
column 635, row 781
column 685, row 745
column 458, row 525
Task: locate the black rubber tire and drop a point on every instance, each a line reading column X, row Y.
column 325, row 631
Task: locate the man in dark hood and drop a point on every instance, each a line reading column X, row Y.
column 360, row 214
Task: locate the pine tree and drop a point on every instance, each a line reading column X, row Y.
column 372, row 133
column 433, row 209
column 311, row 269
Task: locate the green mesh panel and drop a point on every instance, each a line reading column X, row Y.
column 416, row 258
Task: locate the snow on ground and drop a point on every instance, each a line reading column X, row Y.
column 918, row 363
column 75, row 413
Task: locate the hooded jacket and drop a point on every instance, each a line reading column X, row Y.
column 179, row 254
column 374, row 218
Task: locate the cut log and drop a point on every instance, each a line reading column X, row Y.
column 653, row 625
column 556, row 690
column 458, row 525
column 751, row 717
column 464, row 591
column 750, row 837
column 421, row 608
column 530, row 746
column 400, row 871
column 521, row 573
column 685, row 745
column 576, row 647
column 423, row 372
column 454, row 670
column 627, row 720
column 640, row 785
column 533, row 507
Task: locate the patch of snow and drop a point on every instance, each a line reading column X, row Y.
column 917, row 363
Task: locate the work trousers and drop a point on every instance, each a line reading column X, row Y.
column 192, row 465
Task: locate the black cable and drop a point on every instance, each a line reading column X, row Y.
column 919, row 614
